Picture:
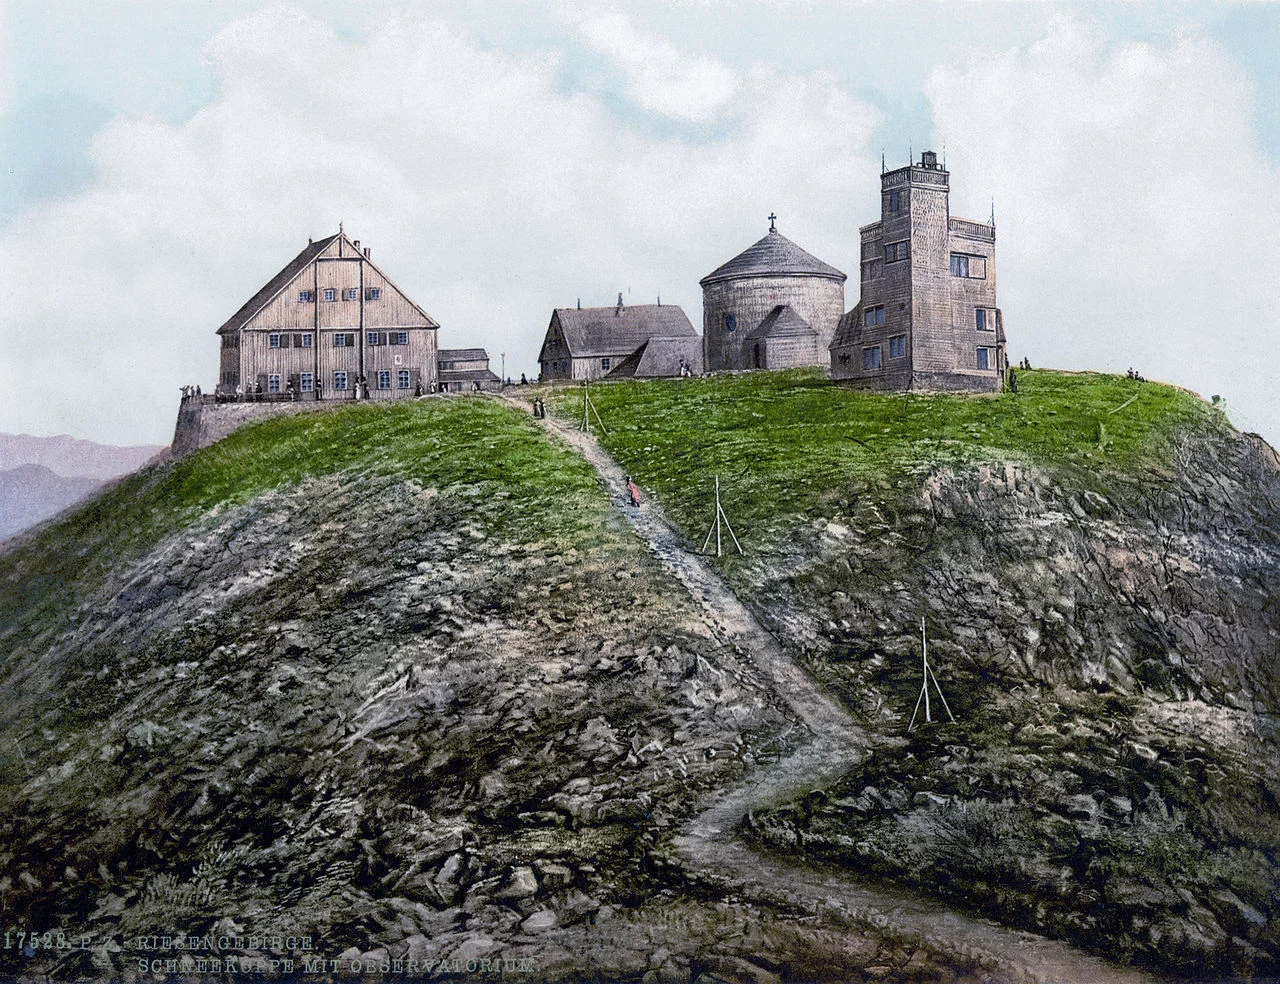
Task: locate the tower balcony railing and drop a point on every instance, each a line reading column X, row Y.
column 972, row 230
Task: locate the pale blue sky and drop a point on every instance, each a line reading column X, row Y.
column 505, row 158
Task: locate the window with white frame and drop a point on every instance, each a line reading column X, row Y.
column 871, row 357
column 353, row 293
column 340, row 340
column 330, row 294
column 306, row 339
column 372, row 293
column 306, row 383
column 305, row 296
column 273, row 383
column 965, row 265
column 384, row 379
column 897, row 346
column 402, row 379
column 371, row 337
column 339, row 380
column 401, row 338
column 273, row 340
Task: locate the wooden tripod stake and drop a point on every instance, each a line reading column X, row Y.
column 589, row 407
column 715, row 526
column 927, row 674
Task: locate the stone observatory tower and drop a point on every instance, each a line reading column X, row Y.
column 772, row 306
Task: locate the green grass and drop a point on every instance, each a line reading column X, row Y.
column 783, row 441
column 490, row 460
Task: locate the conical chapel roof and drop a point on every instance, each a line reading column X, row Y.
column 773, row 256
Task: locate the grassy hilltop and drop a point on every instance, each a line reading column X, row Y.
column 791, row 442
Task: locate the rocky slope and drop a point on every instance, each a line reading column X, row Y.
column 1109, row 650
column 1097, row 562
column 393, row 681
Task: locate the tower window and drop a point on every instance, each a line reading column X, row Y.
column 893, row 252
column 986, row 319
column 895, row 201
column 730, row 321
column 897, row 346
column 984, row 358
column 873, row 316
column 871, row 357
column 973, row 267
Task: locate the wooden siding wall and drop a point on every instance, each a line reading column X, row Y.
column 818, row 300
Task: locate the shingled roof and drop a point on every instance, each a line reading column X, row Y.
column 276, row 284
column 782, row 320
column 609, row 331
column 661, row 357
column 773, row 256
column 462, row 355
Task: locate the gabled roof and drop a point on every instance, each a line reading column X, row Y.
column 782, row 320
column 661, row 357
column 294, row 267
column 609, row 331
column 773, row 256
column 462, row 355
column 276, row 284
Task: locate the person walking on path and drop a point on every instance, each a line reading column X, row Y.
column 633, row 490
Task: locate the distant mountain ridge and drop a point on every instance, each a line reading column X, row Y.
column 73, row 457
column 41, row 476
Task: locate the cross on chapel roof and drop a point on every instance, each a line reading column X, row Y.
column 772, row 219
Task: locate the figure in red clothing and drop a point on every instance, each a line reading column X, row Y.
column 633, row 490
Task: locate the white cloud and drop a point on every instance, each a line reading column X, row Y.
column 660, row 77
column 1135, row 213
column 488, row 191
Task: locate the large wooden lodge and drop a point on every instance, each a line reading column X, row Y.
column 329, row 326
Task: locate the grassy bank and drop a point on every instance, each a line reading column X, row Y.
column 785, row 442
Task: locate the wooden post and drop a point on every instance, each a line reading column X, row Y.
column 586, row 424
column 718, row 511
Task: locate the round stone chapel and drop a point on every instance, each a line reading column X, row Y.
column 773, row 306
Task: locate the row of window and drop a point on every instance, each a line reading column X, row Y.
column 345, row 294
column 306, row 380
column 985, row 317
column 898, row 349
column 342, row 339
column 347, row 339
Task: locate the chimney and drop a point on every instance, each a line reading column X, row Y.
column 366, row 252
column 618, row 310
column 579, row 303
